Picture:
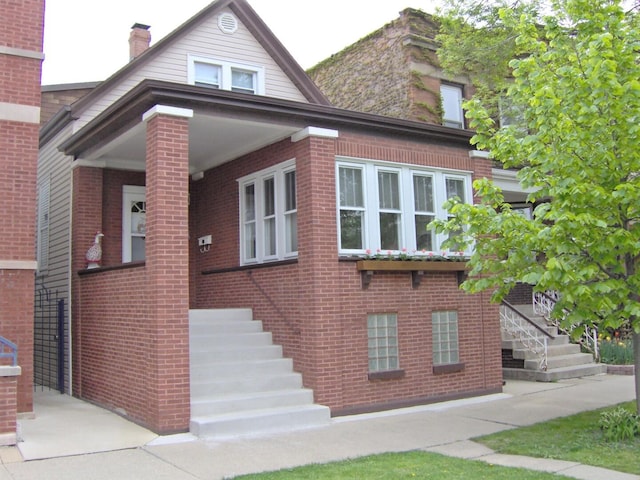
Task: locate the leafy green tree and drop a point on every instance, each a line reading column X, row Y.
column 573, row 68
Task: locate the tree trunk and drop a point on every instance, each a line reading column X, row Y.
column 636, row 361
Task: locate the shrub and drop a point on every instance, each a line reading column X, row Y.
column 619, row 424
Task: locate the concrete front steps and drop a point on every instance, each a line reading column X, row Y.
column 240, row 383
column 564, row 359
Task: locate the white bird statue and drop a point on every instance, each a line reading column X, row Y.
column 94, row 254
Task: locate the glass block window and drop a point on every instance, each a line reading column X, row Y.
column 445, row 337
column 382, row 331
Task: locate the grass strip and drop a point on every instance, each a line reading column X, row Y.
column 414, row 464
column 574, row 438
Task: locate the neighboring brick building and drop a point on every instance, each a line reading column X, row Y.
column 21, row 30
column 222, row 178
column 394, row 71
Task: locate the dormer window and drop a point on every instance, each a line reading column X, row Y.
column 212, row 73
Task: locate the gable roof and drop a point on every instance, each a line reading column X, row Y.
column 254, row 24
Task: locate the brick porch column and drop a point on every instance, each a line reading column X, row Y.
column 323, row 341
column 21, row 28
column 167, row 264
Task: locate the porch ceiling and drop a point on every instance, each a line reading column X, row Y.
column 213, row 140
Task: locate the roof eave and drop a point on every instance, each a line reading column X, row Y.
column 128, row 111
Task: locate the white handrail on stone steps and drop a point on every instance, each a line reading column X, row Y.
column 523, row 330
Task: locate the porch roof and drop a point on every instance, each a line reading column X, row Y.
column 227, row 125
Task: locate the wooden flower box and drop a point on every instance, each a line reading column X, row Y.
column 416, row 267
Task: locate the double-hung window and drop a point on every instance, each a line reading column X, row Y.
column 452, row 115
column 387, row 207
column 219, row 74
column 268, row 215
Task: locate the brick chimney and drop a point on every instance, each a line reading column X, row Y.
column 139, row 40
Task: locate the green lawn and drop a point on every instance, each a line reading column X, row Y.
column 416, row 464
column 575, row 438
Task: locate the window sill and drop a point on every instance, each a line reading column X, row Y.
column 451, row 368
column 388, row 375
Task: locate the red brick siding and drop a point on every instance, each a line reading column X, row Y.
column 8, row 406
column 18, row 78
column 16, row 325
column 317, row 308
column 87, row 220
column 113, row 339
column 18, row 187
column 21, row 27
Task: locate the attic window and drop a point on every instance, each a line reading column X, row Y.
column 227, row 23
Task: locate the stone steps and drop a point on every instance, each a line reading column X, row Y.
column 564, row 359
column 240, row 383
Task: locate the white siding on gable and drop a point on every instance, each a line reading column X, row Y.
column 204, row 40
column 55, row 168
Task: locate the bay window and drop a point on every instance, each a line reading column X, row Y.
column 268, row 215
column 387, row 207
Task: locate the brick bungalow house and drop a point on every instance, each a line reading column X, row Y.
column 394, row 71
column 21, row 29
column 227, row 188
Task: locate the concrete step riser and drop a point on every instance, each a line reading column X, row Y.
column 562, row 361
column 552, row 351
column 511, row 344
column 225, row 370
column 227, row 426
column 220, row 355
column 554, row 374
column 212, row 328
column 228, row 340
column 284, row 398
column 246, row 385
column 223, row 314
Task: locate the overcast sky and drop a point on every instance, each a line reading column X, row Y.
column 88, row 40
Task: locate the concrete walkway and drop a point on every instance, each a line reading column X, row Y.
column 70, row 439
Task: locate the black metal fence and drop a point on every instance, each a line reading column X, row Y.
column 49, row 339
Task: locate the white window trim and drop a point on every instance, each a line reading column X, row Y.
column 226, row 68
column 371, row 227
column 129, row 193
column 276, row 172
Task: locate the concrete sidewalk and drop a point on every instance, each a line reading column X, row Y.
column 72, row 445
